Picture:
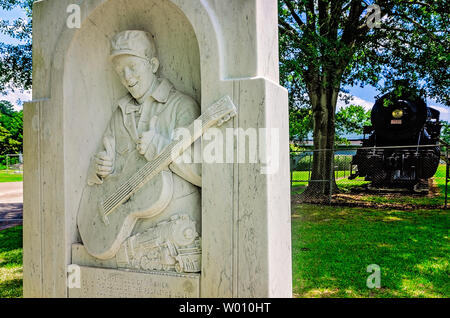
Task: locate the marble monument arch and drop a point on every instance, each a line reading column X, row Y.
column 119, row 198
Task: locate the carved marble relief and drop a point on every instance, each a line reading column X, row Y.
column 142, row 206
column 170, row 245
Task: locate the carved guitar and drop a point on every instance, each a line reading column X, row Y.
column 109, row 211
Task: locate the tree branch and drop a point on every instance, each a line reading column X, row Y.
column 287, row 27
column 294, row 14
column 420, row 26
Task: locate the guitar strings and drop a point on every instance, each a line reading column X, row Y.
column 145, row 172
column 127, row 188
column 142, row 174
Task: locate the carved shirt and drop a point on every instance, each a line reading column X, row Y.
column 161, row 112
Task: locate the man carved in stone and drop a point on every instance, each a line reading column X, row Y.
column 145, row 120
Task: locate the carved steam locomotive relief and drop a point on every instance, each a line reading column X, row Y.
column 172, row 245
column 402, row 148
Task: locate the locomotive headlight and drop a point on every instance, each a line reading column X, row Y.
column 397, row 113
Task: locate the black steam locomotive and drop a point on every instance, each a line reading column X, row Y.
column 402, row 148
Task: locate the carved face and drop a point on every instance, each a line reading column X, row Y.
column 136, row 74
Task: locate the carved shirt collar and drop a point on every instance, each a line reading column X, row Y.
column 160, row 94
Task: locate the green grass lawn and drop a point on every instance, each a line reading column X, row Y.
column 11, row 262
column 345, row 185
column 332, row 247
column 10, row 176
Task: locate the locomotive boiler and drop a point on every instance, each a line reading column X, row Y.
column 402, row 145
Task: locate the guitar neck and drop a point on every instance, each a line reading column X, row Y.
column 169, row 154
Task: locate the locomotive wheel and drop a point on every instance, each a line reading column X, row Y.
column 378, row 177
column 428, row 166
column 421, row 186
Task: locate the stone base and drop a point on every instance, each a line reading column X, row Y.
column 111, row 283
column 81, row 257
column 103, row 279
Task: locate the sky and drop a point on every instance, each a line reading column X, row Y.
column 366, row 97
column 16, row 98
column 361, row 96
column 11, row 15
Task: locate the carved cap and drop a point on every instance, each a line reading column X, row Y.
column 133, row 42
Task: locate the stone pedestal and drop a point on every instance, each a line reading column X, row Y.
column 208, row 49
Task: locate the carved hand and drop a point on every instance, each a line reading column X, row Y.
column 105, row 160
column 146, row 137
column 105, row 164
column 144, row 141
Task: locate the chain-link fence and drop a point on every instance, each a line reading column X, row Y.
column 403, row 176
column 12, row 163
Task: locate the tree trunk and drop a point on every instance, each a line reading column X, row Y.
column 322, row 183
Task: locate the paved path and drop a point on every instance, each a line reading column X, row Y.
column 11, row 206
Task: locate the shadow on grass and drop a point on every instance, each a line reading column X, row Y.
column 332, row 247
column 10, row 215
column 11, row 239
column 11, row 262
column 11, row 288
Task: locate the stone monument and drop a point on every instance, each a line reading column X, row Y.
column 157, row 151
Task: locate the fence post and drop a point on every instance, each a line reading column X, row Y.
column 309, row 166
column 292, row 167
column 292, row 177
column 331, row 175
column 446, row 176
